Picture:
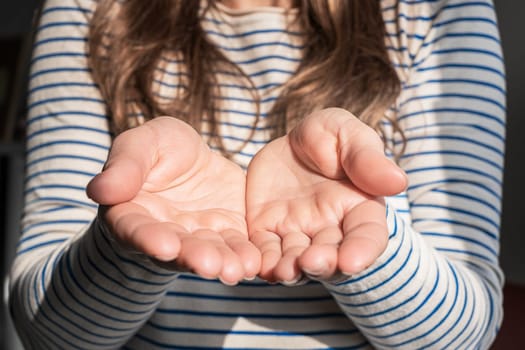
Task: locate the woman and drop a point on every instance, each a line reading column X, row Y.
column 307, row 241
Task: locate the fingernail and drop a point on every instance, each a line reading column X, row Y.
column 318, row 272
column 297, row 280
column 231, row 284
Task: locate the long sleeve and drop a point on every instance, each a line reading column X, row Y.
column 69, row 285
column 438, row 284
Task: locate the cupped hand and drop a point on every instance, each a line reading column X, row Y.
column 315, row 198
column 164, row 193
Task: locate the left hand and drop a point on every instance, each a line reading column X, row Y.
column 314, row 198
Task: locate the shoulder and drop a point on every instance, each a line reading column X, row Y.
column 418, row 17
column 59, row 19
column 413, row 25
column 80, row 10
column 429, row 9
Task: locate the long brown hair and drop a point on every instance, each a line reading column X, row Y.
column 345, row 62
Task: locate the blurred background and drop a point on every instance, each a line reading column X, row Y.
column 15, row 45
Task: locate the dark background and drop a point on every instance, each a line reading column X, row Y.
column 15, row 25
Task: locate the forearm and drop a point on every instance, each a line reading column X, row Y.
column 85, row 293
column 415, row 297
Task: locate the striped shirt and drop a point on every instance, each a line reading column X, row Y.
column 437, row 285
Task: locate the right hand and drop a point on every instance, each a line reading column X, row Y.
column 164, row 193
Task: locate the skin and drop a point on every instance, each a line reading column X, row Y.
column 164, row 193
column 310, row 204
column 250, row 4
column 314, row 204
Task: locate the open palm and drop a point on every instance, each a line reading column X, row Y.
column 165, row 194
column 314, row 198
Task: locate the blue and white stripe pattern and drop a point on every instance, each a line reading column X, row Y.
column 438, row 284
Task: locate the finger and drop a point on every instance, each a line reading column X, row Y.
column 269, row 245
column 315, row 142
column 132, row 155
column 232, row 268
column 249, row 255
column 365, row 237
column 372, row 172
column 201, row 254
column 319, row 261
column 156, row 152
column 363, row 159
column 132, row 225
column 287, row 269
column 335, row 143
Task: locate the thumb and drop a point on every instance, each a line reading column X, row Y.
column 372, row 172
column 336, row 144
column 129, row 161
column 364, row 161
